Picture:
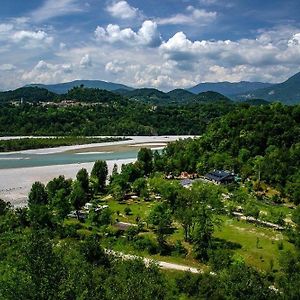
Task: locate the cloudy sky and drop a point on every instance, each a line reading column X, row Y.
column 154, row 43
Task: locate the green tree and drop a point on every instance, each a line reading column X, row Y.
column 160, row 217
column 78, row 197
column 100, row 172
column 203, row 233
column 83, row 179
column 145, row 160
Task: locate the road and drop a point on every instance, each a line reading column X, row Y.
column 161, row 264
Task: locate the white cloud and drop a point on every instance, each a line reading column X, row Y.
column 115, row 67
column 7, row 67
column 56, row 8
column 122, row 10
column 85, row 61
column 193, row 16
column 254, row 52
column 147, row 35
column 31, row 38
column 45, row 72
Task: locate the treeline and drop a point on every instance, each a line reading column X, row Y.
column 37, row 143
column 258, row 142
column 128, row 118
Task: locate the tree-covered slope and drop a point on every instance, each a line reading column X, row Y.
column 30, row 94
column 260, row 142
column 287, row 92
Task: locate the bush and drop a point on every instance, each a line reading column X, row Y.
column 179, row 249
column 127, row 211
column 220, row 259
column 144, row 243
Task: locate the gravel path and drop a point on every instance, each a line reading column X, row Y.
column 161, row 264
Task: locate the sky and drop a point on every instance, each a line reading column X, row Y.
column 164, row 44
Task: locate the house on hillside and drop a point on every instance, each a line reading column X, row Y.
column 220, row 177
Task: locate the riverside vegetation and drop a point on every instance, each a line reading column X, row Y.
column 54, row 249
column 51, row 142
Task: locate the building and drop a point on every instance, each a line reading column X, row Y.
column 220, row 177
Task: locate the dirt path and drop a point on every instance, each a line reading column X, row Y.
column 161, row 264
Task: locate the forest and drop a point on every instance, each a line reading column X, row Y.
column 72, row 239
column 128, row 118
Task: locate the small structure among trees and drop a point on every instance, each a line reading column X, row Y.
column 220, row 177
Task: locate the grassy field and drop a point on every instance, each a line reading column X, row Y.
column 258, row 246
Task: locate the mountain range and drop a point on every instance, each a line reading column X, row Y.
column 287, row 92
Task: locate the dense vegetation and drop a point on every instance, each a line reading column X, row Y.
column 37, row 143
column 46, row 254
column 260, row 142
column 118, row 118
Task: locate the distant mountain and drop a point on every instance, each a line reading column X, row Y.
column 228, row 88
column 62, row 88
column 287, row 92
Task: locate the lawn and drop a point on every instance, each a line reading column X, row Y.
column 259, row 245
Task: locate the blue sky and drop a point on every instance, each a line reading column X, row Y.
column 164, row 44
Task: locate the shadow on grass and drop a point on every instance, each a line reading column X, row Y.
column 219, row 243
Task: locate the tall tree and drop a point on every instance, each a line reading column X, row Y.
column 145, row 159
column 99, row 173
column 83, row 179
column 78, row 197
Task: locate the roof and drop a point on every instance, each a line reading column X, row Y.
column 186, row 182
column 218, row 175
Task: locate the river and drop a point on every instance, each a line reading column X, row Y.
column 19, row 170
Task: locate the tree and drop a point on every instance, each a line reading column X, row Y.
column 39, row 213
column 43, row 266
column 160, row 217
column 100, row 172
column 37, row 195
column 145, row 159
column 78, row 197
column 184, row 212
column 92, row 251
column 83, row 179
column 202, row 236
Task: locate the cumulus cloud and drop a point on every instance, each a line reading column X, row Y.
column 192, row 16
column 53, row 8
column 255, row 52
column 44, row 72
column 32, row 38
column 85, row 61
column 122, row 10
column 147, row 35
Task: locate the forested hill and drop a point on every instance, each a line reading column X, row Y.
column 118, row 118
column 30, row 94
column 262, row 142
column 83, row 94
column 287, row 92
